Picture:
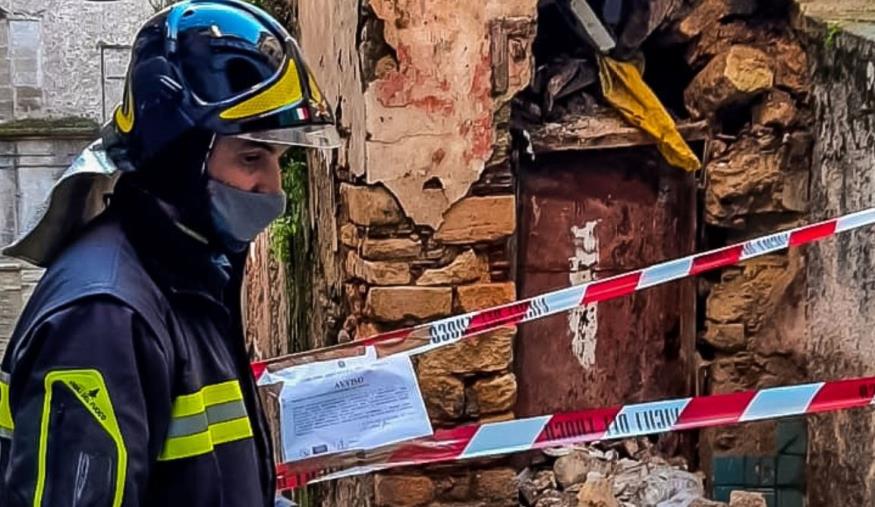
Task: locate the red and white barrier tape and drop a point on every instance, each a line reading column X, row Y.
column 429, row 336
column 481, row 440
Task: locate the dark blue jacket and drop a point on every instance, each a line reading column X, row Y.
column 127, row 382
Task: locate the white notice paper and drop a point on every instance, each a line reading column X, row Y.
column 359, row 406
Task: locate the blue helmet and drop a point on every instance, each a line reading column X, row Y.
column 220, row 66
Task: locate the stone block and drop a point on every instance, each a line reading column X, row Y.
column 349, row 235
column 377, row 272
column 743, row 181
column 391, row 249
column 444, row 396
column 453, row 488
column 791, row 65
column 708, row 13
column 497, row 486
column 725, row 337
column 487, row 353
column 485, row 295
column 494, row 418
column 370, row 205
column 733, row 77
column 467, row 267
column 777, row 109
column 478, row 219
column 575, row 466
column 597, row 493
column 393, row 304
column 494, row 395
column 403, row 490
column 740, row 498
column 719, row 38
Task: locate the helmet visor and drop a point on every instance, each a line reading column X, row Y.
column 309, row 136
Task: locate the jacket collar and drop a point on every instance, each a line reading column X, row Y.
column 178, row 256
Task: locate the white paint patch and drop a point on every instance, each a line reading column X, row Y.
column 583, row 322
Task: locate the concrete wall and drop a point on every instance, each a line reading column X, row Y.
column 58, row 59
column 841, row 281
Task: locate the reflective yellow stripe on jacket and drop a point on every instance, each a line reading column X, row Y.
column 199, row 421
column 6, row 424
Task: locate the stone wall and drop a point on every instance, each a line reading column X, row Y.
column 752, row 84
column 63, row 58
column 416, row 220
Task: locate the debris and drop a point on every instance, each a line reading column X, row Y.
column 574, row 467
column 590, row 24
column 589, row 476
column 740, row 498
column 645, row 17
column 596, row 493
column 731, row 78
column 710, row 12
column 624, row 88
column 778, row 109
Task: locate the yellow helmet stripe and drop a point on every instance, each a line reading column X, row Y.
column 285, row 92
column 124, row 114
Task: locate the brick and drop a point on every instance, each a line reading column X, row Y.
column 394, row 249
column 494, row 395
column 484, row 295
column 377, row 272
column 487, row 353
column 444, row 396
column 393, row 304
column 467, row 267
column 370, row 205
column 498, row 486
column 478, row 219
column 403, row 490
column 733, row 77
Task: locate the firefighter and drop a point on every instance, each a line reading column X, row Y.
column 127, row 381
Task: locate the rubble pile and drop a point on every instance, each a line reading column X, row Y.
column 630, row 473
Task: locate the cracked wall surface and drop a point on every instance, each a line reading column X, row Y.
column 428, row 114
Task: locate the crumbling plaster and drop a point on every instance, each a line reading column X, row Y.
column 428, row 114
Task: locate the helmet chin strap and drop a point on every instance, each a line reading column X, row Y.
column 204, row 174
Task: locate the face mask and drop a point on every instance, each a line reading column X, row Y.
column 239, row 216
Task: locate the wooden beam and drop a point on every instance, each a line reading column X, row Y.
column 605, row 129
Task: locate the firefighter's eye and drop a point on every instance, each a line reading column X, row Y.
column 252, row 158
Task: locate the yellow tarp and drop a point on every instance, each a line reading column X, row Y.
column 624, row 89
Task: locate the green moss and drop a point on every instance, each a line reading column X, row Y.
column 285, row 229
column 832, row 31
column 49, row 127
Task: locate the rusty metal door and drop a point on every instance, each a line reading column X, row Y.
column 588, row 215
